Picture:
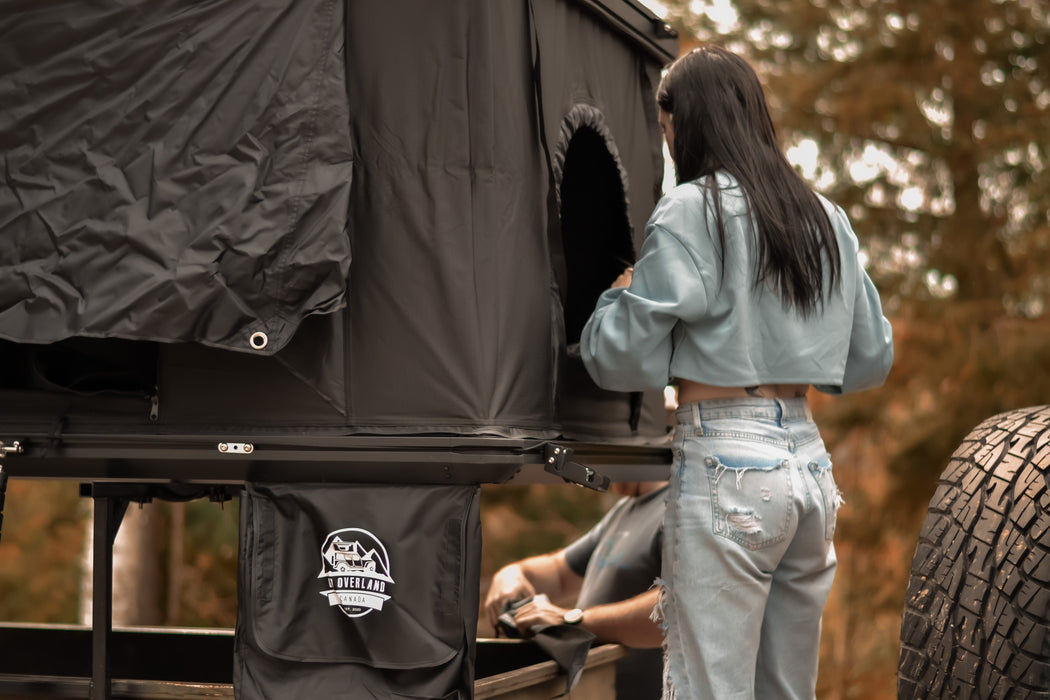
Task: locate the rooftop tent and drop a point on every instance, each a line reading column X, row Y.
column 360, row 235
column 315, row 216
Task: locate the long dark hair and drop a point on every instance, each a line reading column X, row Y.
column 721, row 122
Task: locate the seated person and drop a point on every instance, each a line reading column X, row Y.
column 611, row 570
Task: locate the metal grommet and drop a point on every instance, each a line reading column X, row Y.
column 258, row 340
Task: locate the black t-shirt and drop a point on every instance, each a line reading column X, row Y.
column 619, row 558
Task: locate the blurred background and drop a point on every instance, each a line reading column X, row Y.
column 927, row 120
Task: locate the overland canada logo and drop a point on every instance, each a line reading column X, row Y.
column 357, row 567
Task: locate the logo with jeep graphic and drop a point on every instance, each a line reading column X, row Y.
column 357, row 567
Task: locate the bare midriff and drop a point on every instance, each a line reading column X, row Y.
column 695, row 391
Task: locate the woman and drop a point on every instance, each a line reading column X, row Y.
column 747, row 291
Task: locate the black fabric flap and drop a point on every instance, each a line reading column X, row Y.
column 173, row 170
column 363, row 574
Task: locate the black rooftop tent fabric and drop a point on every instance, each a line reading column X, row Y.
column 601, row 137
column 377, row 216
column 172, row 170
column 458, row 283
column 450, row 285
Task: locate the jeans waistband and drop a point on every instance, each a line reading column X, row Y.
column 777, row 410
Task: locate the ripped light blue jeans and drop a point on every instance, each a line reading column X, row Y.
column 748, row 558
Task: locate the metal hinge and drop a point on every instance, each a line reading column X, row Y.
column 557, row 460
column 14, row 448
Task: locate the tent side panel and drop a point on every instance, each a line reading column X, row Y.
column 449, row 324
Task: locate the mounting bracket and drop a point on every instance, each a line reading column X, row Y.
column 557, row 459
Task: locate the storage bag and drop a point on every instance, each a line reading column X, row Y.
column 357, row 591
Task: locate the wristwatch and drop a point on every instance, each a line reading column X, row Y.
column 572, row 617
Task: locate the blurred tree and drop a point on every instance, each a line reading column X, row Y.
column 206, row 587
column 927, row 122
column 519, row 521
column 40, row 552
column 136, row 568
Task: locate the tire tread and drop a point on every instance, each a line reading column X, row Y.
column 976, row 622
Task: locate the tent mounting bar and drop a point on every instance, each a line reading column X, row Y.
column 303, row 458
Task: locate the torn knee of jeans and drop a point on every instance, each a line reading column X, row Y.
column 746, row 521
column 660, row 617
column 657, row 614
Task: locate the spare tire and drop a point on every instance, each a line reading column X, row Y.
column 977, row 616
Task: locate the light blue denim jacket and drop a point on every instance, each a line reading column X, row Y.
column 681, row 319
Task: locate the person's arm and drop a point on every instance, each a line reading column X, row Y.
column 871, row 345
column 626, row 344
column 549, row 574
column 870, row 354
column 628, row 622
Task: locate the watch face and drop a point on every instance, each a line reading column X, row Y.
column 573, row 617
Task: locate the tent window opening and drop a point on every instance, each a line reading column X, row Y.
column 595, row 229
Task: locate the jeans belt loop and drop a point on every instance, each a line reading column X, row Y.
column 696, row 418
column 782, row 411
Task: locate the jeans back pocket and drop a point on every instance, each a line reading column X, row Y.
column 751, row 498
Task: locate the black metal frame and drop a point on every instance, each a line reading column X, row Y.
column 145, row 656
column 116, row 470
column 639, row 24
column 111, row 501
column 200, row 459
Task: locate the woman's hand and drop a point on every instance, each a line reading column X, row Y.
column 624, row 280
